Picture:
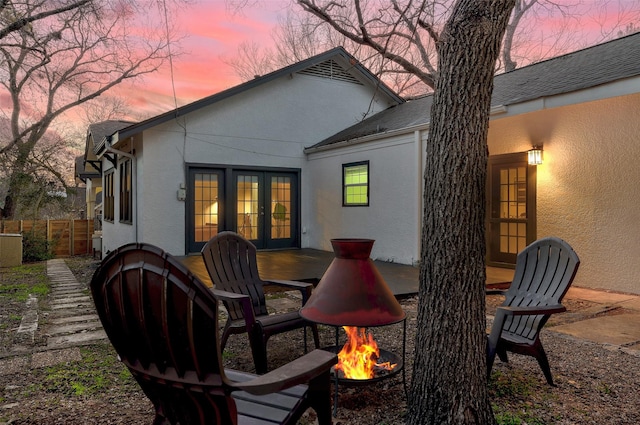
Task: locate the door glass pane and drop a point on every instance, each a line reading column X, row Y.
column 280, row 208
column 206, row 191
column 248, row 209
column 513, row 208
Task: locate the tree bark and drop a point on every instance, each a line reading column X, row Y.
column 449, row 384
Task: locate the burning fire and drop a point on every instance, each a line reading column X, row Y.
column 358, row 358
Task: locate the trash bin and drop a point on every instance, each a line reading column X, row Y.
column 10, row 249
column 96, row 241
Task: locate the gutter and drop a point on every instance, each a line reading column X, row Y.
column 365, row 139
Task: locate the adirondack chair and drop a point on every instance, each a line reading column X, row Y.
column 231, row 263
column 544, row 272
column 163, row 323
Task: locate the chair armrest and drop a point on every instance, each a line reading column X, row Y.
column 243, row 300
column 532, row 310
column 299, row 371
column 501, row 315
column 304, row 287
column 492, row 291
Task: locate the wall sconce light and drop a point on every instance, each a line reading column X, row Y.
column 534, row 155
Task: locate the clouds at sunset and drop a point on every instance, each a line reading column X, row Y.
column 207, row 31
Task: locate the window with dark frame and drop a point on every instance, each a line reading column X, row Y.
column 108, row 201
column 126, row 200
column 355, row 184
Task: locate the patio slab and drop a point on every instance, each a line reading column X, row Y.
column 310, row 264
column 633, row 304
column 598, row 296
column 617, row 329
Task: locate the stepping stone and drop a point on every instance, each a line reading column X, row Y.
column 29, row 323
column 72, row 319
column 66, row 340
column 71, row 305
column 83, row 299
column 74, row 328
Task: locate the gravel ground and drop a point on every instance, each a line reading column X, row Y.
column 596, row 384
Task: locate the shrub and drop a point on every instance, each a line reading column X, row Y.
column 35, row 248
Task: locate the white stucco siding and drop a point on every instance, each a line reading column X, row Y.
column 266, row 126
column 588, row 189
column 162, row 215
column 271, row 124
column 393, row 202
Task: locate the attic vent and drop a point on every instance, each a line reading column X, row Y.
column 330, row 69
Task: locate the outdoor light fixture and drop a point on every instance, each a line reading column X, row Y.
column 534, row 155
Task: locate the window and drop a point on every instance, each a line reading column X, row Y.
column 355, row 184
column 108, row 210
column 126, row 210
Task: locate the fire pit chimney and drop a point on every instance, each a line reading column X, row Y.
column 352, row 292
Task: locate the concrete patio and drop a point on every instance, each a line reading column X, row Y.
column 613, row 319
column 309, row 264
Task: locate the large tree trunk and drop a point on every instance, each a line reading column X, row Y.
column 449, row 384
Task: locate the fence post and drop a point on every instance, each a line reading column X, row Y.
column 72, row 236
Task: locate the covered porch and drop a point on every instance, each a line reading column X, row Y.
column 310, row 264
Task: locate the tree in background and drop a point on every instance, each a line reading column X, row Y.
column 528, row 38
column 56, row 56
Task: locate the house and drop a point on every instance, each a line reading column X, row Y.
column 234, row 160
column 581, row 109
column 321, row 149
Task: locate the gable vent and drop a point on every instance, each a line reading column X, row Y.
column 331, row 70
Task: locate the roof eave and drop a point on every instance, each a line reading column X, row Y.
column 368, row 138
column 193, row 106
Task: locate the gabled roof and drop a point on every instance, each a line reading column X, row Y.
column 98, row 131
column 591, row 67
column 312, row 65
column 586, row 68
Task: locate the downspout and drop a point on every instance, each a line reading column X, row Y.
column 420, row 195
column 134, row 181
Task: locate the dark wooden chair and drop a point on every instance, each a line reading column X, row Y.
column 544, row 272
column 231, row 263
column 163, row 323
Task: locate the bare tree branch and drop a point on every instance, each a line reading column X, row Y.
column 58, row 63
column 18, row 22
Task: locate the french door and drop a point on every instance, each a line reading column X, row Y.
column 512, row 207
column 261, row 205
column 266, row 208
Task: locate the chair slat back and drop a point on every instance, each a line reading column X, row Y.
column 544, row 272
column 163, row 323
column 232, row 264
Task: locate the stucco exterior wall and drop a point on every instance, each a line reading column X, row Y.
column 395, row 192
column 267, row 126
column 588, row 189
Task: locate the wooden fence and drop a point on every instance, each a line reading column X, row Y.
column 68, row 237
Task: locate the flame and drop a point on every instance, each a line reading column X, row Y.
column 359, row 355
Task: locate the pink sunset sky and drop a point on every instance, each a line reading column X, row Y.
column 212, row 31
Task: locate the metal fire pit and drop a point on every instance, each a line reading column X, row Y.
column 352, row 292
column 385, row 356
column 380, row 374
